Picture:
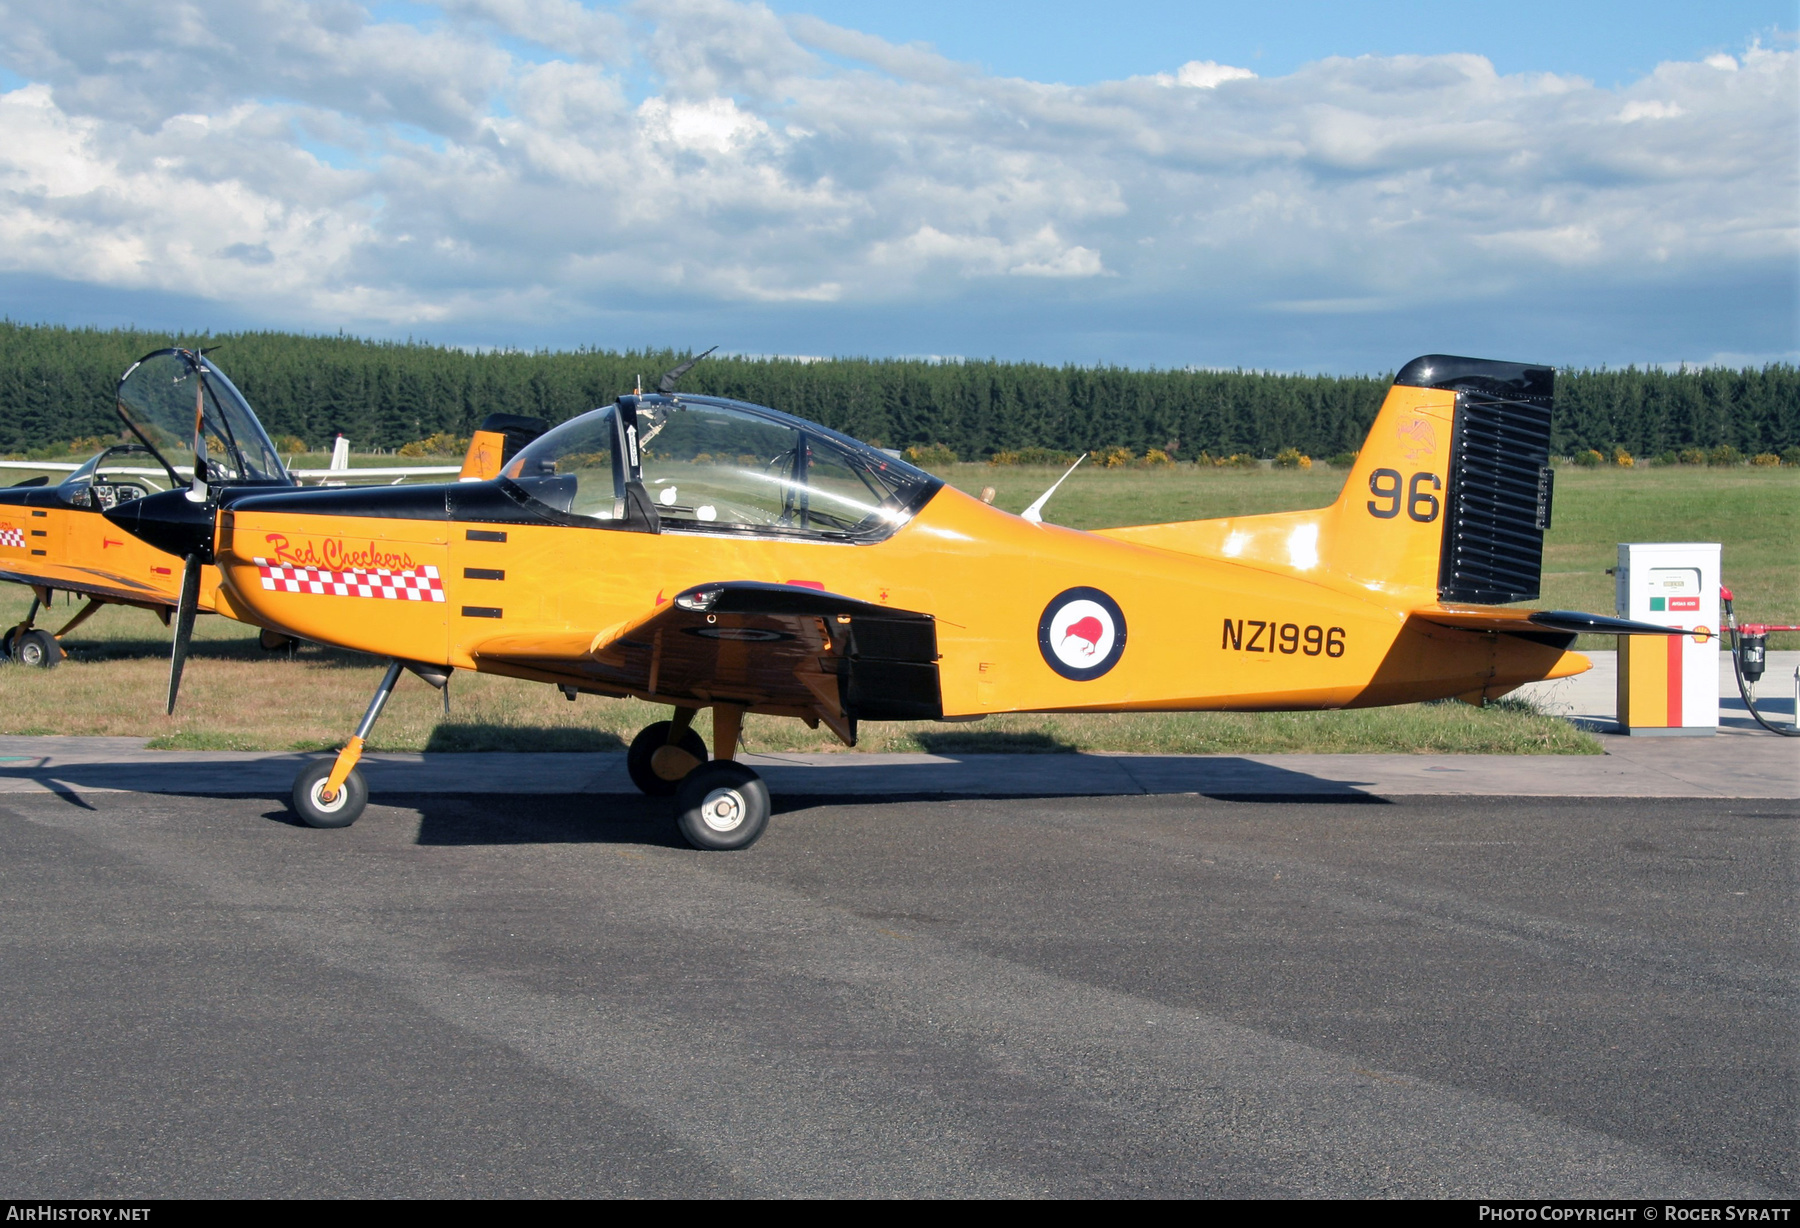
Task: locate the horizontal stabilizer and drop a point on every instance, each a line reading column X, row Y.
column 1570, row 622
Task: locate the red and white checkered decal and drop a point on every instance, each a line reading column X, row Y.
column 10, row 536
column 419, row 584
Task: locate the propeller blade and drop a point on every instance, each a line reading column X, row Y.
column 198, row 491
column 184, row 625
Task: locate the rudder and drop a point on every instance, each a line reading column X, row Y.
column 496, row 441
column 1450, row 496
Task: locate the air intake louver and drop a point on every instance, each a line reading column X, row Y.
column 1499, row 499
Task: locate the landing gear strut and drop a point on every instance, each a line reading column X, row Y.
column 718, row 804
column 333, row 794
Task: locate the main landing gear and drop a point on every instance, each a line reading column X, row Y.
column 36, row 647
column 719, row 804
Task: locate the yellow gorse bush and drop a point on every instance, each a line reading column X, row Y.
column 443, row 443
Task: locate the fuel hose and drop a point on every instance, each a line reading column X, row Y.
column 1737, row 668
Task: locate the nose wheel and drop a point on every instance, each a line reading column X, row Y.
column 319, row 808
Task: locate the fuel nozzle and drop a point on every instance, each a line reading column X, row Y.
column 1752, row 655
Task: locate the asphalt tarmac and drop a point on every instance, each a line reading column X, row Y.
column 1147, row 995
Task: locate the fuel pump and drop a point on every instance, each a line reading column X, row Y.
column 1749, row 653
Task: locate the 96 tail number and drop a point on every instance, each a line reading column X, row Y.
column 1420, row 501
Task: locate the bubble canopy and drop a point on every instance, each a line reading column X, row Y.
column 162, row 394
column 711, row 465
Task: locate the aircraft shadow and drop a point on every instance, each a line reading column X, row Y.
column 472, row 736
column 558, row 819
column 630, row 818
column 598, row 805
column 246, row 649
column 984, row 742
column 541, row 819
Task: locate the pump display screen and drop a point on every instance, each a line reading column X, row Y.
column 1674, row 589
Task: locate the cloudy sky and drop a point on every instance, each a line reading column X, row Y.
column 1289, row 185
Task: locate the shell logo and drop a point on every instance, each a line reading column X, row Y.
column 1417, row 438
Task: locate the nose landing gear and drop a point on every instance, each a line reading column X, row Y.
column 332, row 793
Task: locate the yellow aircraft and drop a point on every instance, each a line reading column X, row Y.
column 56, row 538
column 707, row 553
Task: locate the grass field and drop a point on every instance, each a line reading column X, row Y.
column 1754, row 512
column 237, row 697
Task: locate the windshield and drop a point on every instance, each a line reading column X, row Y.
column 714, row 464
column 159, row 398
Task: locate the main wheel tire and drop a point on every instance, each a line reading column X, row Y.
column 39, row 648
column 342, row 810
column 722, row 805
column 651, row 739
column 6, row 642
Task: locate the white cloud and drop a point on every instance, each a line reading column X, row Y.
column 712, row 151
column 1649, row 109
column 1042, row 254
column 1206, row 75
column 712, row 126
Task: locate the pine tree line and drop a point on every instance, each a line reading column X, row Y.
column 57, row 383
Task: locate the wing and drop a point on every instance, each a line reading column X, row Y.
column 91, row 582
column 776, row 648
